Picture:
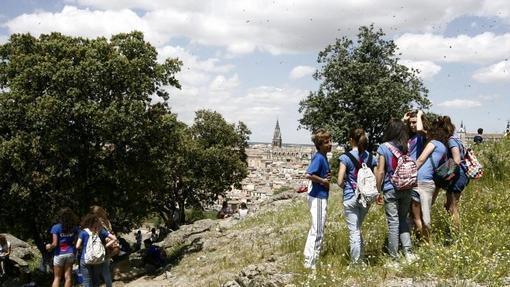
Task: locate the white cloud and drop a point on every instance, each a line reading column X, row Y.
column 483, row 48
column 299, row 72
column 3, row 39
column 427, row 69
column 460, row 104
column 243, row 26
column 499, row 72
column 220, row 83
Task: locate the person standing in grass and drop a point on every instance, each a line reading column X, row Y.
column 64, row 236
column 396, row 202
column 456, row 151
column 432, row 156
column 354, row 211
column 319, row 173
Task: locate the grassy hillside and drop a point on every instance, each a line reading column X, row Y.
column 480, row 253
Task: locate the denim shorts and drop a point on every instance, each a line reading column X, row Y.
column 63, row 259
column 415, row 196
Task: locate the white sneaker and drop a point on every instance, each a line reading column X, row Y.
column 310, row 266
column 411, row 257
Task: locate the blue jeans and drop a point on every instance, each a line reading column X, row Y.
column 106, row 272
column 396, row 207
column 354, row 214
column 90, row 274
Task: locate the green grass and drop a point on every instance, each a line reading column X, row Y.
column 481, row 251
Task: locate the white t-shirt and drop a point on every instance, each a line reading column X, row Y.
column 243, row 213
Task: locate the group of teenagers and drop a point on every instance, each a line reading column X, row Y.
column 428, row 144
column 69, row 241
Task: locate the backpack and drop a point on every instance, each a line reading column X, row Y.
column 474, row 168
column 95, row 251
column 445, row 172
column 405, row 174
column 366, row 187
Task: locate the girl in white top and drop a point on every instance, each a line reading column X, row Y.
column 5, row 251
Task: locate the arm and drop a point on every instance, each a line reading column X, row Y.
column 53, row 244
column 456, row 155
column 318, row 179
column 78, row 243
column 419, row 123
column 429, row 148
column 112, row 240
column 341, row 174
column 379, row 172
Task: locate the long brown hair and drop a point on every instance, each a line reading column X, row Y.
column 439, row 130
column 102, row 215
column 68, row 219
column 396, row 131
column 359, row 138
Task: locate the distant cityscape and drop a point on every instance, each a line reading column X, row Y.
column 277, row 165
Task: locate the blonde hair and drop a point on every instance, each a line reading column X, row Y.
column 102, row 215
column 320, row 136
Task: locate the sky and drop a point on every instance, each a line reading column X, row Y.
column 253, row 61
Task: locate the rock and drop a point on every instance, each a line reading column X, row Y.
column 20, row 248
column 265, row 274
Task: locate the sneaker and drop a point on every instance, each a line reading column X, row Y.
column 310, row 266
column 411, row 257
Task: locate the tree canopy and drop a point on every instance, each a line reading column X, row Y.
column 363, row 85
column 78, row 127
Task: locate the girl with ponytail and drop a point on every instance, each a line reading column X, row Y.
column 354, row 211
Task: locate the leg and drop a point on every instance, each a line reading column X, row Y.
column 58, row 271
column 107, row 275
column 68, row 274
column 403, row 206
column 309, row 251
column 416, row 215
column 353, row 221
column 391, row 210
column 86, row 272
column 452, row 206
column 426, row 190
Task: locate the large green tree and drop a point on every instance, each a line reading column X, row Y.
column 77, row 127
column 362, row 84
column 209, row 161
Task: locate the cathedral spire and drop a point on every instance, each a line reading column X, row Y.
column 277, row 136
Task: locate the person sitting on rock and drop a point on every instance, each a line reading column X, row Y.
column 154, row 255
column 225, row 211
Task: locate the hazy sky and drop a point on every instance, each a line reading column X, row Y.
column 252, row 61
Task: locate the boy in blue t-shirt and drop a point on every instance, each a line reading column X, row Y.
column 320, row 174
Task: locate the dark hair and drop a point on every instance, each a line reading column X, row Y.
column 480, row 131
column 68, row 219
column 439, row 130
column 359, row 138
column 396, row 132
column 320, row 136
column 90, row 220
column 449, row 125
column 224, row 204
column 3, row 239
column 243, row 205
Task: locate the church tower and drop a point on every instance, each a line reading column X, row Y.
column 277, row 136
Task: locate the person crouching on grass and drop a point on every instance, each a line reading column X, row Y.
column 320, row 174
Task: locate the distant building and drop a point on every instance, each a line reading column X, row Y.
column 468, row 137
column 277, row 136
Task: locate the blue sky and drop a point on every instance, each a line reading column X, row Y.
column 252, row 60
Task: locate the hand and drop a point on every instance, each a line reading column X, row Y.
column 406, row 117
column 325, row 182
column 48, row 247
column 380, row 199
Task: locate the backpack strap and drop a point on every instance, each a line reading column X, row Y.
column 355, row 162
column 393, row 150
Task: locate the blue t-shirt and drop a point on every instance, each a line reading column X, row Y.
column 415, row 146
column 351, row 172
column 84, row 236
column 65, row 240
column 426, row 171
column 319, row 166
column 390, row 163
column 454, row 142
